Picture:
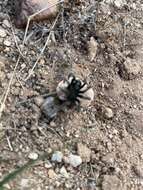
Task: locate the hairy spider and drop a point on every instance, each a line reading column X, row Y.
column 73, row 90
column 69, row 92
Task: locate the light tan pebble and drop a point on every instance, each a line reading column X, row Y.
column 108, row 113
column 2, row 33
column 6, row 23
column 33, row 156
column 52, row 174
column 64, row 172
column 92, row 48
column 38, row 101
column 7, row 43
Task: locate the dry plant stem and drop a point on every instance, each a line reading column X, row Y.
column 9, row 143
column 42, row 51
column 4, row 96
column 38, row 12
column 15, row 40
column 2, row 106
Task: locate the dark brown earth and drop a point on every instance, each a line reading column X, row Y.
column 101, row 41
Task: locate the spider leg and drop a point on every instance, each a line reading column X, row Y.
column 78, row 104
column 83, row 97
column 71, row 76
column 83, row 85
column 82, row 91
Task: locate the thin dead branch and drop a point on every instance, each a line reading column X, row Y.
column 2, row 106
column 42, row 51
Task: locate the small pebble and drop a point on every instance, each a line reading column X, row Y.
column 6, row 186
column 48, row 165
column 57, row 156
column 2, row 33
column 74, row 160
column 120, row 3
column 52, row 124
column 52, row 174
column 7, row 43
column 6, row 23
column 38, row 101
column 64, row 172
column 108, row 113
column 92, row 48
column 33, row 156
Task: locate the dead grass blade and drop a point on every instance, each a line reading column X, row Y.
column 18, row 171
column 42, row 51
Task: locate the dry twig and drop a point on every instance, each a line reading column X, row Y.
column 2, row 106
column 42, row 51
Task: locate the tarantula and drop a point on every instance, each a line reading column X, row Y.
column 74, row 91
column 69, row 92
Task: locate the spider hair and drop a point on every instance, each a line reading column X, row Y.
column 74, row 90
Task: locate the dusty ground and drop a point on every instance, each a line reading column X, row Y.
column 115, row 145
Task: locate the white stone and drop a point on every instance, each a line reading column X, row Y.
column 119, row 3
column 64, row 172
column 57, row 156
column 92, row 48
column 6, row 23
column 7, row 43
column 108, row 113
column 2, row 33
column 74, row 160
column 33, row 156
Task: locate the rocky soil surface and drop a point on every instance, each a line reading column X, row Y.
column 100, row 147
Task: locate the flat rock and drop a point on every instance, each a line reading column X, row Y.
column 52, row 174
column 64, row 172
column 57, row 156
column 26, row 8
column 74, row 160
column 2, row 32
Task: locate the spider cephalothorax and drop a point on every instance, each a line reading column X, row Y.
column 74, row 91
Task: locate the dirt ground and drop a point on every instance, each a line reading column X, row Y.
column 108, row 135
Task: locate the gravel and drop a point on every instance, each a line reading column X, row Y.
column 33, row 156
column 2, row 33
column 74, row 160
column 57, row 156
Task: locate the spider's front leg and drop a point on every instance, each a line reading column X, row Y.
column 83, row 97
column 78, row 105
column 83, row 91
column 71, row 76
